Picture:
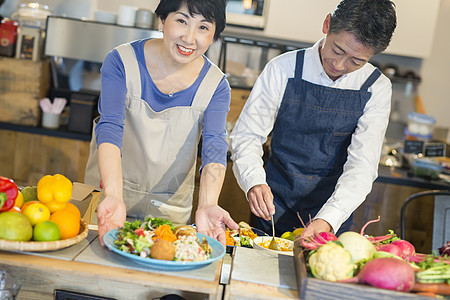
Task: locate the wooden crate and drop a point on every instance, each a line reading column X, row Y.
column 310, row 288
column 22, row 84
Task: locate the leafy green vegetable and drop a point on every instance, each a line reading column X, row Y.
column 246, row 241
column 436, row 274
column 393, row 238
column 155, row 222
column 142, row 244
column 434, row 270
column 131, row 226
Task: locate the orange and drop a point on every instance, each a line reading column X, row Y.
column 26, row 204
column 15, row 208
column 19, row 200
column 73, row 209
column 46, row 231
column 55, row 206
column 68, row 223
column 36, row 213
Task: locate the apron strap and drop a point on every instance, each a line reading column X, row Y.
column 372, row 78
column 299, row 64
column 207, row 87
column 132, row 74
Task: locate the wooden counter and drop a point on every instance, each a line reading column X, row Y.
column 41, row 276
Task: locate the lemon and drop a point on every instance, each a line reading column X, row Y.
column 299, row 231
column 36, row 213
column 288, row 235
column 46, row 231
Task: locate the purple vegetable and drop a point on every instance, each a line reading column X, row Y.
column 445, row 249
column 386, row 273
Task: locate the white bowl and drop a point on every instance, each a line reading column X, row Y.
column 265, row 240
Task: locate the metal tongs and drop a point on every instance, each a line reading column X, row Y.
column 273, row 243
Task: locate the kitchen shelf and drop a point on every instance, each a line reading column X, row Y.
column 62, row 132
column 398, row 79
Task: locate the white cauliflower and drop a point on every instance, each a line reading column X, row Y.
column 331, row 262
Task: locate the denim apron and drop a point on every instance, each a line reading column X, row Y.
column 159, row 151
column 309, row 145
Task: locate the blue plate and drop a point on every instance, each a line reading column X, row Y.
column 218, row 251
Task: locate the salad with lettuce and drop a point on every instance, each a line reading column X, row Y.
column 159, row 239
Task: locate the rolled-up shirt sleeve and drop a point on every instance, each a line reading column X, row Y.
column 254, row 125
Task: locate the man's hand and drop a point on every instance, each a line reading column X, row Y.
column 315, row 227
column 260, row 198
column 111, row 214
column 212, row 221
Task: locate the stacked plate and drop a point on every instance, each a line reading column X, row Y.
column 105, row 17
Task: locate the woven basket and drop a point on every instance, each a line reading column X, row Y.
column 46, row 246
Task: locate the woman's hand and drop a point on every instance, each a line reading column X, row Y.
column 111, row 214
column 212, row 221
column 315, row 227
column 260, row 198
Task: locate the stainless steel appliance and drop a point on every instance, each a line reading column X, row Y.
column 247, row 13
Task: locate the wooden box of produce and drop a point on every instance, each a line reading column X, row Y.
column 310, row 288
column 22, row 84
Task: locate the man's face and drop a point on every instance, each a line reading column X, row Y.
column 342, row 53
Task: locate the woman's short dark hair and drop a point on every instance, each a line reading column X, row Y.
column 212, row 10
column 372, row 21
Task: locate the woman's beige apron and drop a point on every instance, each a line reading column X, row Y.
column 159, row 151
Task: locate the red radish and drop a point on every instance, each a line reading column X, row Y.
column 318, row 240
column 386, row 273
column 393, row 249
column 406, row 247
column 376, row 239
column 370, row 222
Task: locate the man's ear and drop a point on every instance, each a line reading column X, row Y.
column 160, row 24
column 326, row 24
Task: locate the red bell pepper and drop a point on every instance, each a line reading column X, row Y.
column 8, row 193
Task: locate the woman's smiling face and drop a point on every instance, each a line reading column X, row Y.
column 342, row 53
column 187, row 37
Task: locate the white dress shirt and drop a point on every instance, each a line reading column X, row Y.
column 260, row 111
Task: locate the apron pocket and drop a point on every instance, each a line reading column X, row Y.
column 175, row 213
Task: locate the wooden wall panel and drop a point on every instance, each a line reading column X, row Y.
column 26, row 157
